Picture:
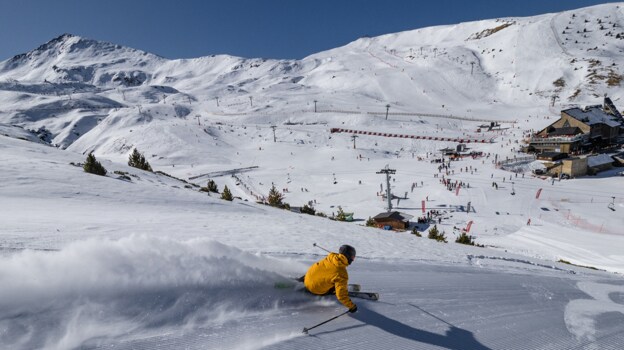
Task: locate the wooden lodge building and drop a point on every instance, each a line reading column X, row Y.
column 580, row 130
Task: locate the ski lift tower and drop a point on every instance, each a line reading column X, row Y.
column 388, row 171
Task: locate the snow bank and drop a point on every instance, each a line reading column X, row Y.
column 113, row 289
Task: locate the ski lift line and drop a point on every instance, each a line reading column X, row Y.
column 570, row 192
column 373, row 113
column 589, row 193
column 263, row 127
column 415, row 114
column 308, row 173
column 224, row 172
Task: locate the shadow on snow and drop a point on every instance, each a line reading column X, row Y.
column 455, row 338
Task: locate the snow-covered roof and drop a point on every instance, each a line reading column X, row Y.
column 393, row 215
column 536, row 165
column 592, row 115
column 598, row 160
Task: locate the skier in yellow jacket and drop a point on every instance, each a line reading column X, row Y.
column 329, row 276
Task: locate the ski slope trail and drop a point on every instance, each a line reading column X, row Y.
column 456, row 307
column 492, row 305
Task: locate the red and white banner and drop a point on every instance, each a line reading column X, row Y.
column 468, row 226
column 423, row 206
column 538, row 193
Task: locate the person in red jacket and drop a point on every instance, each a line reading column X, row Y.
column 329, row 276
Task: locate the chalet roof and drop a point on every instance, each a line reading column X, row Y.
column 393, row 215
column 598, row 160
column 565, row 131
column 591, row 115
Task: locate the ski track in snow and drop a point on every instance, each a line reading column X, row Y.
column 100, row 290
column 146, row 293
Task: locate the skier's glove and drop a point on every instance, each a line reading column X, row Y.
column 353, row 309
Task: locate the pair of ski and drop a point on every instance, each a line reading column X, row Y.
column 355, row 292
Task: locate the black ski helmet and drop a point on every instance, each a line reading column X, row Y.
column 347, row 251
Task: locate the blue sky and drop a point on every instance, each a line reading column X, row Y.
column 247, row 28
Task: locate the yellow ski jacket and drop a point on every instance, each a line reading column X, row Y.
column 329, row 273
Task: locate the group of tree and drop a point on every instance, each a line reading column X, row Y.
column 136, row 160
column 211, row 187
column 463, row 238
column 275, row 198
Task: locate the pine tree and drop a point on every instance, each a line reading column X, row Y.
column 226, row 194
column 465, row 239
column 434, row 233
column 275, row 197
column 212, row 186
column 137, row 160
column 341, row 216
column 371, row 222
column 92, row 166
column 415, row 232
column 306, row 209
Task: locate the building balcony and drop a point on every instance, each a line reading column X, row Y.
column 558, row 139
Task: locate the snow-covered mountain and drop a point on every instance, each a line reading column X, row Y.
column 142, row 260
column 501, row 68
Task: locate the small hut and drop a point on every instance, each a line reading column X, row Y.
column 393, row 220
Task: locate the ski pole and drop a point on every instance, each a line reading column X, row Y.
column 318, row 246
column 305, row 330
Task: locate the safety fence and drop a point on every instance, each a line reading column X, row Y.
column 406, row 136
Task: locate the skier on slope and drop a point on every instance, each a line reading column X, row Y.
column 329, row 276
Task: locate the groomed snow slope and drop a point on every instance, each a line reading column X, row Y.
column 95, row 262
